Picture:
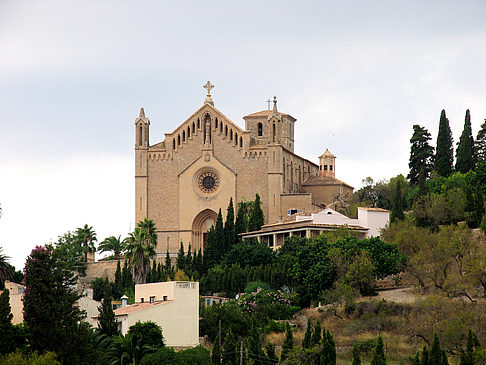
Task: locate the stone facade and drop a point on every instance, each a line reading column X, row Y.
column 183, row 181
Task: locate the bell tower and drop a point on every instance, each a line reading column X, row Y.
column 142, row 124
column 327, row 164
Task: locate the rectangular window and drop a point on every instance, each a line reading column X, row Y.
column 141, row 300
column 152, row 299
column 325, row 167
column 165, row 298
column 330, row 167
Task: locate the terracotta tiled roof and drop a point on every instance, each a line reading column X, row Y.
column 264, row 113
column 137, row 307
column 324, row 180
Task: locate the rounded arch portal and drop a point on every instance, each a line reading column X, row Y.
column 200, row 226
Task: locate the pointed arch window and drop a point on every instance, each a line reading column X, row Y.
column 236, row 139
column 231, row 135
column 178, row 139
column 221, row 127
column 198, row 124
column 183, row 136
column 216, row 123
column 241, row 142
column 173, row 143
column 140, row 130
column 188, row 132
column 193, row 128
column 226, row 130
column 260, row 129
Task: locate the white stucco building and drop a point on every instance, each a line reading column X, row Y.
column 369, row 223
column 173, row 305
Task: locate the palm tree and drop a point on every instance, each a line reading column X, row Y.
column 127, row 350
column 113, row 244
column 5, row 267
column 87, row 238
column 140, row 249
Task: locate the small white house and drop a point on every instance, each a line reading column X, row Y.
column 173, row 305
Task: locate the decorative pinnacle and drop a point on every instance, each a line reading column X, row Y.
column 142, row 113
column 275, row 112
column 208, row 87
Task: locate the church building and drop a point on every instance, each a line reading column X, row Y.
column 183, row 181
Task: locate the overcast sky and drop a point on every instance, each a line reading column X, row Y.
column 356, row 74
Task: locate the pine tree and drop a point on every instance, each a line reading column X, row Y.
column 181, row 258
column 356, row 356
column 465, row 148
column 229, row 226
column 230, row 354
column 306, row 342
column 316, row 334
column 328, row 351
column 256, row 219
column 421, row 154
column 379, row 353
column 216, row 352
column 397, row 211
column 107, row 323
column 288, row 343
column 255, row 351
column 437, row 356
column 444, row 156
column 425, row 357
column 480, row 144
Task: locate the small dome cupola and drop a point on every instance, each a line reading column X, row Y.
column 327, row 164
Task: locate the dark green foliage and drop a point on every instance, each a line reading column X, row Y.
column 50, row 313
column 107, row 323
column 150, row 334
column 127, row 279
column 425, row 357
column 476, row 212
column 255, row 351
column 306, row 342
column 316, row 334
column 127, row 349
column 256, row 219
column 288, row 343
column 181, row 258
column 101, row 288
column 270, row 352
column 194, row 356
column 231, row 316
column 480, row 143
column 328, row 351
column 118, row 284
column 465, row 148
column 229, row 227
column 249, row 254
column 421, row 155
column 164, row 355
column 444, row 156
column 216, row 351
column 230, row 352
column 356, row 356
column 473, row 354
column 397, row 210
column 241, row 224
column 379, row 353
column 9, row 332
column 437, row 356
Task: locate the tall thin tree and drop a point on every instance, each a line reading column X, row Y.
column 421, row 155
column 444, row 153
column 465, row 147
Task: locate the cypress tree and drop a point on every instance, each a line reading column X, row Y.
column 480, row 144
column 328, row 351
column 230, row 353
column 270, row 351
column 465, row 148
column 7, row 329
column 306, row 342
column 421, row 155
column 477, row 212
column 425, row 357
column 437, row 356
column 255, row 350
column 216, row 352
column 118, row 284
column 316, row 334
column 256, row 219
column 127, row 279
column 210, row 250
column 107, row 323
column 219, row 237
column 199, row 261
column 397, row 211
column 357, row 358
column 189, row 260
column 229, row 226
column 181, row 258
column 168, row 264
column 444, row 156
column 288, row 343
column 241, row 225
column 379, row 353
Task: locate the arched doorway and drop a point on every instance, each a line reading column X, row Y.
column 200, row 226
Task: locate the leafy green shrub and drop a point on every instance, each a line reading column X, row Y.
column 273, row 326
column 18, row 358
column 269, row 304
column 252, row 286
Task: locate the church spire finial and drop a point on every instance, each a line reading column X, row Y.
column 275, row 111
column 208, row 87
column 142, row 113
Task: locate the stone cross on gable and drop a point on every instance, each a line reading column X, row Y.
column 208, row 87
column 268, row 104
